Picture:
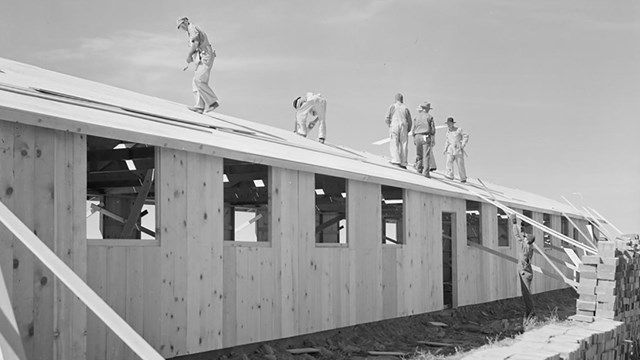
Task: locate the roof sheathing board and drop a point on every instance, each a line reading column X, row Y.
column 292, row 151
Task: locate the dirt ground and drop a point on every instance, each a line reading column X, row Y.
column 466, row 328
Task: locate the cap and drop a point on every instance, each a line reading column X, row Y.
column 450, row 119
column 425, row 105
column 181, row 20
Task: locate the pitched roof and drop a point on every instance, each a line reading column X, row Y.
column 43, row 98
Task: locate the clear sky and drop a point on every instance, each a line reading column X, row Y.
column 548, row 90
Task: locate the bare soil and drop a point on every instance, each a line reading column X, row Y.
column 467, row 328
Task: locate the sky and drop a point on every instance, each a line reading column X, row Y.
column 546, row 89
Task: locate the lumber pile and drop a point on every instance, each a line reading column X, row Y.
column 609, row 288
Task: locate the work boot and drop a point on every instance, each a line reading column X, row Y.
column 195, row 109
column 463, row 181
column 212, row 106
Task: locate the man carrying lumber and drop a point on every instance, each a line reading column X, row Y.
column 310, row 109
column 525, row 271
column 399, row 122
column 423, row 131
column 202, row 53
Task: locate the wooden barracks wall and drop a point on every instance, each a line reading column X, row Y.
column 191, row 291
column 42, row 174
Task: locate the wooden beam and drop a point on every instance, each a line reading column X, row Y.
column 134, row 215
column 534, row 223
column 607, row 221
column 133, row 153
column 123, row 242
column 580, row 231
column 509, row 258
column 10, row 342
column 77, row 286
column 329, row 222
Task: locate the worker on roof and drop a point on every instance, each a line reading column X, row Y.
column 311, row 109
column 525, row 270
column 423, row 131
column 456, row 140
column 399, row 122
column 200, row 52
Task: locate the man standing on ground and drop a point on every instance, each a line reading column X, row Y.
column 399, row 122
column 310, row 109
column 423, row 131
column 525, row 271
column 202, row 53
column 456, row 141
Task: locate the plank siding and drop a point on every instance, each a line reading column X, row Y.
column 193, row 292
column 42, row 182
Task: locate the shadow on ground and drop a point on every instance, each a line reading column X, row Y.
column 467, row 328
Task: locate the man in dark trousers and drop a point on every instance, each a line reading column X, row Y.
column 423, row 131
column 525, row 271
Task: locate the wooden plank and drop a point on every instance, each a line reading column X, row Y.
column 307, row 274
column 10, row 343
column 23, row 263
column 71, row 180
column 134, row 307
column 97, row 279
column 151, row 259
column 389, row 282
column 267, row 293
column 173, row 208
column 201, row 177
column 76, row 284
column 364, row 229
column 116, row 297
column 122, row 243
column 44, row 215
column 229, row 302
column 7, row 190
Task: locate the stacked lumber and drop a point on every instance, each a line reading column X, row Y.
column 602, row 340
column 609, row 288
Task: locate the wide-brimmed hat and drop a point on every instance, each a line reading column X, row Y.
column 181, row 20
column 425, row 105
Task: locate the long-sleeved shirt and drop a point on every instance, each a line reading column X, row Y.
column 403, row 115
column 423, row 124
column 455, row 142
column 195, row 34
column 313, row 110
column 526, row 251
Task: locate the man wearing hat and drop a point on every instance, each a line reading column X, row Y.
column 399, row 122
column 456, row 141
column 525, row 271
column 200, row 50
column 423, row 130
column 310, row 109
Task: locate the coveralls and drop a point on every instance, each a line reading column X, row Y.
column 454, row 150
column 424, row 131
column 525, row 272
column 313, row 110
column 204, row 57
column 399, row 121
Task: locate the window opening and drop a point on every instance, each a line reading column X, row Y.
column 331, row 209
column 564, row 226
column 503, row 228
column 120, row 189
column 526, row 227
column 392, row 215
column 246, row 201
column 546, row 221
column 474, row 217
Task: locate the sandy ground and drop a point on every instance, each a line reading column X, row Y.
column 466, row 328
